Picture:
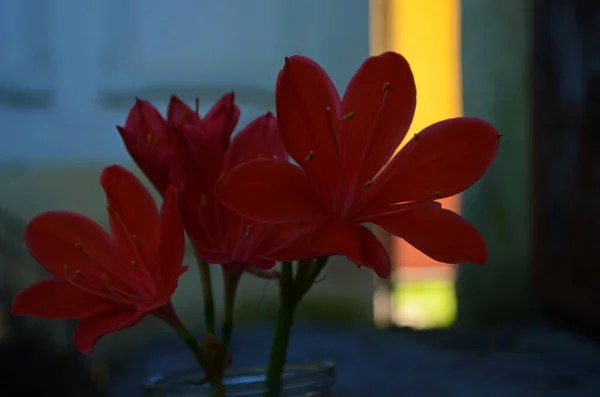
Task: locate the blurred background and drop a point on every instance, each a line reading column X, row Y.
column 69, row 72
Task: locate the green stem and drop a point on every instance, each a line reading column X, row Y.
column 291, row 292
column 167, row 313
column 312, row 277
column 285, row 320
column 207, row 292
column 231, row 281
column 287, row 272
column 303, row 269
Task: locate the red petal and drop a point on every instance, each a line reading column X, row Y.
column 92, row 328
column 133, row 216
column 439, row 233
column 171, row 243
column 308, row 110
column 354, row 241
column 206, row 243
column 197, row 161
column 288, row 242
column 147, row 137
column 59, row 238
column 180, row 113
column 145, row 119
column 444, row 159
column 271, row 191
column 381, row 97
column 259, row 139
column 57, row 300
column 225, row 116
column 195, row 169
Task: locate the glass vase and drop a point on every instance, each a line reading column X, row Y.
column 298, row 380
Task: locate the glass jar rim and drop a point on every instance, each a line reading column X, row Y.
column 295, row 375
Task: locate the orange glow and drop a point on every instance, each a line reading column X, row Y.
column 427, row 33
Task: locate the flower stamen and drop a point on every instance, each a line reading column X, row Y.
column 152, row 140
column 348, row 116
column 149, row 285
column 104, row 277
column 248, row 231
column 185, row 116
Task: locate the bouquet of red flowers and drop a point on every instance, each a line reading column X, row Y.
column 294, row 188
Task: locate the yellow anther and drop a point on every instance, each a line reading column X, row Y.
column 203, row 200
column 78, row 247
column 348, row 116
column 105, row 278
column 248, row 231
column 416, row 137
column 437, row 194
column 185, row 116
column 368, row 184
column 66, row 269
column 311, row 156
column 109, row 209
column 134, row 265
column 386, row 86
column 152, row 140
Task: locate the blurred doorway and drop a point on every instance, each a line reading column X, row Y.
column 421, row 292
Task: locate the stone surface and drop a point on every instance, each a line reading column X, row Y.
column 514, row 361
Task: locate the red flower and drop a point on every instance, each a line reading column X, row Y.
column 108, row 282
column 148, row 137
column 219, row 234
column 347, row 175
column 223, row 117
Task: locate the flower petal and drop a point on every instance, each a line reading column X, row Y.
column 379, row 105
column 354, row 241
column 147, row 120
column 439, row 233
column 133, row 216
column 63, row 241
column 92, row 328
column 224, row 116
column 147, row 138
column 57, row 300
column 195, row 169
column 205, row 242
column 196, row 151
column 308, row 110
column 178, row 112
column 271, row 191
column 171, row 242
column 259, row 139
column 287, row 242
column 444, row 159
